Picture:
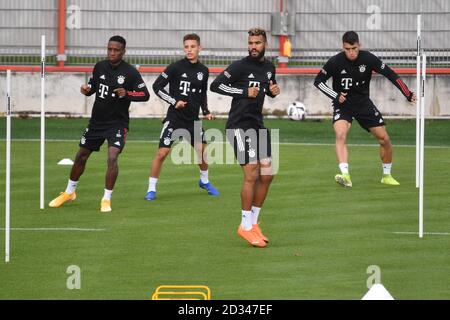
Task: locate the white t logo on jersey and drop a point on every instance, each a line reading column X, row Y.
column 254, row 84
column 103, row 90
column 184, row 87
column 346, row 83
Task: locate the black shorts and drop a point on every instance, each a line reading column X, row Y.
column 367, row 114
column 172, row 132
column 250, row 145
column 93, row 138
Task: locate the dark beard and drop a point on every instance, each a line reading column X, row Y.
column 258, row 57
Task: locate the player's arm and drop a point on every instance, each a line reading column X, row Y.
column 274, row 89
column 160, row 84
column 225, row 83
column 321, row 82
column 382, row 68
column 204, row 103
column 91, row 87
column 139, row 91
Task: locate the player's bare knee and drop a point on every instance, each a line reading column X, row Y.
column 162, row 154
column 266, row 178
column 385, row 141
column 161, row 157
column 112, row 161
column 81, row 159
column 251, row 177
column 341, row 137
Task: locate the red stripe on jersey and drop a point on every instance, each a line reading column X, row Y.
column 136, row 93
column 403, row 86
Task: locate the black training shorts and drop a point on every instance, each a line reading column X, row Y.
column 93, row 138
column 172, row 131
column 366, row 113
column 250, row 145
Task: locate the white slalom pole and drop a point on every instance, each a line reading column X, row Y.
column 419, row 25
column 422, row 136
column 8, row 165
column 42, row 121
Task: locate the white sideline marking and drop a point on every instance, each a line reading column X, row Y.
column 52, row 229
column 429, row 233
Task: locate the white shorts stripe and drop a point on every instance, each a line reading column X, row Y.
column 166, row 124
column 240, row 143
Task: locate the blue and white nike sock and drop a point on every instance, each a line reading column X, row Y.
column 152, row 184
column 204, row 176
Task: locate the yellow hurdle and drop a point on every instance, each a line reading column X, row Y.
column 182, row 293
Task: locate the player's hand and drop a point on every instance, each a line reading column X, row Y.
column 121, row 92
column 85, row 89
column 342, row 97
column 274, row 88
column 209, row 116
column 180, row 104
column 253, row 92
column 412, row 98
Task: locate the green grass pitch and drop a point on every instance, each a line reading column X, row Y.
column 323, row 237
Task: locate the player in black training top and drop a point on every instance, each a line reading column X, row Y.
column 188, row 85
column 351, row 71
column 248, row 81
column 115, row 84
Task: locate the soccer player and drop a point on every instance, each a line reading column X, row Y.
column 115, row 84
column 188, row 85
column 248, row 81
column 351, row 71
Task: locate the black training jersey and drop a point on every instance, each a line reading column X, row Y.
column 109, row 109
column 245, row 112
column 187, row 82
column 353, row 77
